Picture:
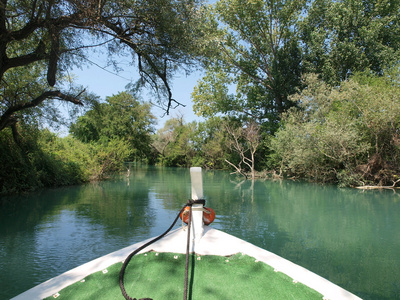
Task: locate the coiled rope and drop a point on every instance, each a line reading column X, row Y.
column 128, row 259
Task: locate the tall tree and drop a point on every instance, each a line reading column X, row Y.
column 174, row 143
column 161, row 35
column 259, row 50
column 343, row 37
column 121, row 117
column 210, row 144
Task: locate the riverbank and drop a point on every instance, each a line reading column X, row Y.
column 43, row 160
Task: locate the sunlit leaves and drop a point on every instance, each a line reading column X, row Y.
column 344, row 37
column 352, row 128
column 258, row 55
column 161, row 36
column 211, row 95
column 122, row 117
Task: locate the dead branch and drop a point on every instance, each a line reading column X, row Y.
column 379, row 187
column 238, row 170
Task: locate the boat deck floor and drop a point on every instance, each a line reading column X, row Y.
column 161, row 276
column 211, row 276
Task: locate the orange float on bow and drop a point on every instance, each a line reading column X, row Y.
column 208, row 215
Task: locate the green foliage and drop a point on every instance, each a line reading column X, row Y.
column 46, row 160
column 42, row 40
column 111, row 156
column 210, row 144
column 263, row 47
column 15, row 172
column 347, row 134
column 174, row 144
column 211, row 94
column 29, row 165
column 259, row 55
column 345, row 127
column 191, row 144
column 109, row 134
column 343, row 37
column 22, row 98
column 121, row 117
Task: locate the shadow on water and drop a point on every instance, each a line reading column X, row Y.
column 49, row 232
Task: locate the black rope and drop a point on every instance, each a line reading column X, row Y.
column 128, row 259
column 199, row 201
column 185, row 292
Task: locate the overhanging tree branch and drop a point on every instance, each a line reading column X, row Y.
column 161, row 72
column 8, row 117
column 42, row 34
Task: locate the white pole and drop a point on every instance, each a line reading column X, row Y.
column 197, row 228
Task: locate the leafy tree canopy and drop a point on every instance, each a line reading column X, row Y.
column 121, row 117
column 265, row 46
column 341, row 38
column 347, row 133
column 47, row 37
column 174, row 143
column 258, row 53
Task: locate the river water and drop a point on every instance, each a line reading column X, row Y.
column 348, row 236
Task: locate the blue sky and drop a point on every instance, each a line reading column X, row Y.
column 107, row 83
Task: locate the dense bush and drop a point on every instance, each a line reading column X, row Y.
column 27, row 166
column 346, row 134
column 42, row 159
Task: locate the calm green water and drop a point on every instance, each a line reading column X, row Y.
column 350, row 237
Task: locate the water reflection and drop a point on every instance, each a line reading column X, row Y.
column 348, row 236
column 351, row 238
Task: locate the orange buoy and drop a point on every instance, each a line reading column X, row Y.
column 185, row 214
column 208, row 215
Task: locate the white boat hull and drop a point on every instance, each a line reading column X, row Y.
column 212, row 242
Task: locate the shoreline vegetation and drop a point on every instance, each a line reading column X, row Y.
column 319, row 99
column 348, row 136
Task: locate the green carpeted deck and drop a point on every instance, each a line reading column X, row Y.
column 160, row 276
